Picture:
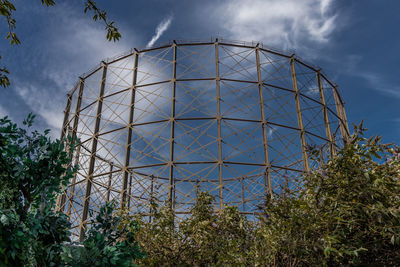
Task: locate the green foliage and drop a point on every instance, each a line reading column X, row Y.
column 98, row 14
column 32, row 168
column 4, row 81
column 160, row 240
column 205, row 238
column 348, row 212
column 6, row 10
column 109, row 242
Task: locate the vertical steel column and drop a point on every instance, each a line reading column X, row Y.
column 74, row 130
column 130, row 190
column 66, row 116
column 72, row 192
column 346, row 124
column 344, row 128
column 151, row 196
column 93, row 153
column 267, row 171
column 243, row 202
column 171, row 195
column 109, row 183
column 332, row 147
column 219, row 139
column 299, row 117
column 60, row 203
column 197, row 187
column 129, row 135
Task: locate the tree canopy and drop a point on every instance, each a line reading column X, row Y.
column 33, row 169
column 347, row 212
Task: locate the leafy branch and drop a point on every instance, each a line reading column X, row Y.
column 6, row 10
column 112, row 31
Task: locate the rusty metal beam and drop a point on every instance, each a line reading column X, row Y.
column 299, row 117
column 344, row 128
column 129, row 135
column 219, row 138
column 267, row 174
column 332, row 147
column 171, row 194
column 243, row 189
column 60, row 202
column 93, row 152
column 109, row 183
column 66, row 116
column 151, row 197
column 61, row 205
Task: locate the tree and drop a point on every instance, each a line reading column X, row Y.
column 205, row 238
column 110, row 241
column 347, row 213
column 7, row 8
column 32, row 170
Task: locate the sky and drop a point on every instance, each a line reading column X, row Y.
column 355, row 43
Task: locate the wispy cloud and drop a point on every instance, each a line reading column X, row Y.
column 354, row 66
column 286, row 24
column 40, row 101
column 161, row 28
column 378, row 82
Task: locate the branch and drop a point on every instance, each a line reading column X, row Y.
column 4, row 81
column 6, row 9
column 98, row 14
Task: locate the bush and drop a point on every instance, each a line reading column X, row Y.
column 33, row 169
column 205, row 238
column 109, row 242
column 347, row 213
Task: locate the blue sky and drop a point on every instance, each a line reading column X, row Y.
column 354, row 42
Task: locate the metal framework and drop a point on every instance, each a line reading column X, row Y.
column 233, row 119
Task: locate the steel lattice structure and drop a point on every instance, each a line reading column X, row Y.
column 230, row 118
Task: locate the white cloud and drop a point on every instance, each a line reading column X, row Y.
column 161, row 28
column 39, row 101
column 73, row 45
column 286, row 24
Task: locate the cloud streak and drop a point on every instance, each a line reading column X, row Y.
column 379, row 83
column 161, row 28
